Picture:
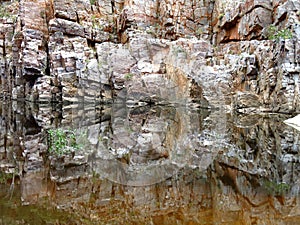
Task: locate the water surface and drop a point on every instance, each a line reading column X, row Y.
column 115, row 164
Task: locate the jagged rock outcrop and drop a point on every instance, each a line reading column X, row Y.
column 59, row 51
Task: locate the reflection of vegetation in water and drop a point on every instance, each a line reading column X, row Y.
column 95, row 177
column 13, row 212
column 275, row 188
column 62, row 141
column 4, row 177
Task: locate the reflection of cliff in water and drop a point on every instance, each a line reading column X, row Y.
column 253, row 176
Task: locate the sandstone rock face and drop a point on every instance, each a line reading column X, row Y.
column 55, row 51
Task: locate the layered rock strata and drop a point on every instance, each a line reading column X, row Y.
column 55, row 51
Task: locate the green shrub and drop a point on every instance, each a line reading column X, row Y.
column 128, row 76
column 92, row 2
column 284, row 34
column 274, row 34
column 275, row 188
column 3, row 12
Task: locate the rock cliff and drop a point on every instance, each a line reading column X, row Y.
column 85, row 50
column 240, row 54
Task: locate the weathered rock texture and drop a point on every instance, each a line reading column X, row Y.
column 254, row 178
column 244, row 55
column 53, row 51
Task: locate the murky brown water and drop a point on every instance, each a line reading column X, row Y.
column 110, row 164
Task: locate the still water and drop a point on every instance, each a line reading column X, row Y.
column 148, row 164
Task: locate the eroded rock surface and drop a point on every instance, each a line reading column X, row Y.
column 151, row 58
column 57, row 51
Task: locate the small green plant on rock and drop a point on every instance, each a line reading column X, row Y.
column 276, row 188
column 271, row 32
column 128, row 76
column 274, row 34
column 284, row 34
column 221, row 15
column 4, row 13
column 92, row 2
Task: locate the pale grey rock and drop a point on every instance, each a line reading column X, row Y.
column 67, row 27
